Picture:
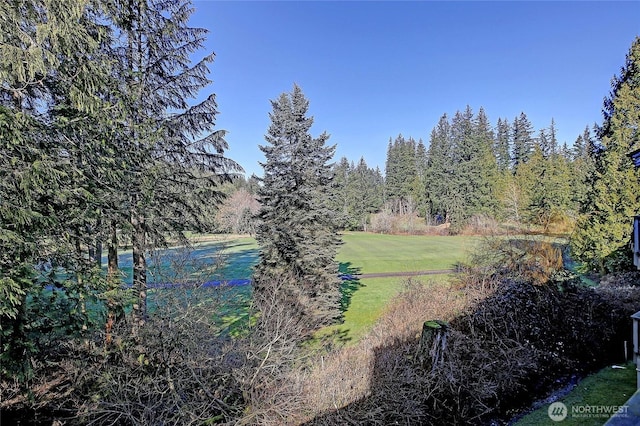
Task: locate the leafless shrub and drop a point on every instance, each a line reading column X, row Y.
column 274, row 360
column 511, row 346
column 346, row 375
column 179, row 374
column 382, row 222
column 182, row 367
column 497, row 258
column 387, row 222
column 179, row 368
column 481, row 225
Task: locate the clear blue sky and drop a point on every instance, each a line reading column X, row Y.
column 372, row 70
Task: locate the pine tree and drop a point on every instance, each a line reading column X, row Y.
column 170, row 150
column 547, row 183
column 463, row 172
column 486, row 167
column 553, row 138
column 298, row 231
column 365, row 194
column 440, row 190
column 419, row 184
column 501, row 145
column 603, row 228
column 49, row 52
column 522, row 140
column 582, row 167
column 340, row 197
column 401, row 172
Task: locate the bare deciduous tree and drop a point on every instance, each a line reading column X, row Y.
column 237, row 213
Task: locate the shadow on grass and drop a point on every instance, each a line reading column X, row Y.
column 329, row 339
column 350, row 283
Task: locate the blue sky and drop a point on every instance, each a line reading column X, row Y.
column 372, row 70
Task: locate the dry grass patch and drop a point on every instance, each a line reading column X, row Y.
column 345, row 375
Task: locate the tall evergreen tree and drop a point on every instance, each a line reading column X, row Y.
column 401, row 172
column 553, row 138
column 365, row 191
column 522, row 140
column 341, row 194
column 582, row 167
column 501, row 148
column 440, row 190
column 462, row 171
column 49, row 52
column 603, row 227
column 419, row 184
column 543, row 143
column 547, row 182
column 486, row 167
column 547, row 140
column 172, row 154
column 298, row 233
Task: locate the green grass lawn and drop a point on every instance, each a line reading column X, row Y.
column 368, row 303
column 224, row 258
column 360, row 253
column 217, row 258
column 366, row 253
column 371, row 253
column 607, row 387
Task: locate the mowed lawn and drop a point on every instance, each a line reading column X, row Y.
column 366, row 253
column 361, row 253
column 373, row 253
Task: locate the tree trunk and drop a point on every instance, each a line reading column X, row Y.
column 113, row 279
column 91, row 251
column 80, row 279
column 98, row 246
column 139, row 268
column 112, row 252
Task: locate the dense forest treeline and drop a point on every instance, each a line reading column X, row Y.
column 508, row 172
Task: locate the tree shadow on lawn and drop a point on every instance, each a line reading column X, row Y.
column 350, row 283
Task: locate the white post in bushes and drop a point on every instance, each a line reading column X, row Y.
column 636, row 348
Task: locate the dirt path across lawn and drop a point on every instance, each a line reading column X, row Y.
column 405, row 274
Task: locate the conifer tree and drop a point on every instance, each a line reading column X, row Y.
column 463, row 148
column 440, row 189
column 298, row 231
column 341, row 194
column 366, row 193
column 401, row 172
column 485, row 165
column 462, row 172
column 603, row 228
column 170, row 150
column 547, row 183
column 419, row 184
column 553, row 138
column 502, row 144
column 49, row 52
column 582, row 167
column 522, row 140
